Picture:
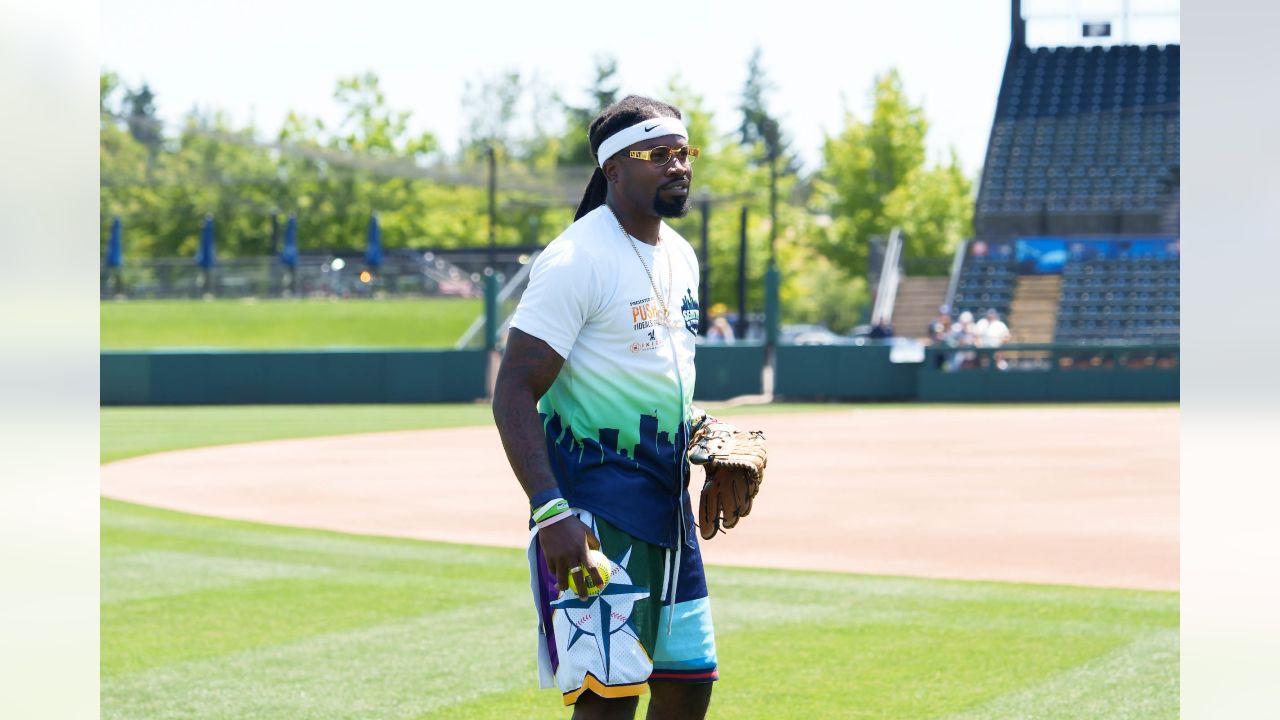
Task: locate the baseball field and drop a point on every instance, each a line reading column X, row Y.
column 364, row 562
column 276, row 324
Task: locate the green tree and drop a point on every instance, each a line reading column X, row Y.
column 140, row 115
column 726, row 177
column 490, row 105
column 108, row 84
column 934, row 208
column 871, row 172
column 122, row 163
column 575, row 148
column 760, row 130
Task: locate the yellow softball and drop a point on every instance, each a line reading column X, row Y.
column 602, row 564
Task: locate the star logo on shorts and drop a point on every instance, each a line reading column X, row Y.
column 601, row 616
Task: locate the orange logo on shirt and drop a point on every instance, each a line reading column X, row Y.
column 643, row 313
column 646, row 311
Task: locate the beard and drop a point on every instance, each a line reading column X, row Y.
column 671, row 208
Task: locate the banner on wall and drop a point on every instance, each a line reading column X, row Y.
column 1048, row 255
column 1041, row 256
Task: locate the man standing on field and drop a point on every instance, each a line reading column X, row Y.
column 594, row 406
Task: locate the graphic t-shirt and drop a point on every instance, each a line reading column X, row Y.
column 616, row 416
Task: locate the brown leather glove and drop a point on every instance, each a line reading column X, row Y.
column 734, row 461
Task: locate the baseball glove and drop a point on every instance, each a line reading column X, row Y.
column 734, row 461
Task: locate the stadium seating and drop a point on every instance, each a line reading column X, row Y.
column 1085, row 140
column 1121, row 299
column 986, row 282
column 1126, row 298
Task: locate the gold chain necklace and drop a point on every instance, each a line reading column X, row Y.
column 665, row 318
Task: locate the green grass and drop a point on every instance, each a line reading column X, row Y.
column 207, row 618
column 130, row 431
column 276, row 324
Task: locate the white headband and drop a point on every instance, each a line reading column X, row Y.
column 651, row 128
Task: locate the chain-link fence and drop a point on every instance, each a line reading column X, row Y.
column 426, row 273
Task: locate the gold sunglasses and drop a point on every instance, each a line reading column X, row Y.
column 662, row 154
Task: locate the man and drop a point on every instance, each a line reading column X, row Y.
column 603, row 343
column 720, row 330
column 940, row 326
column 991, row 332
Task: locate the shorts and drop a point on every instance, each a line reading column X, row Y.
column 614, row 643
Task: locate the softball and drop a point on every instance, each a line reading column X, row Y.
column 602, row 563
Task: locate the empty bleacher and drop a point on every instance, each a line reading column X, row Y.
column 1135, row 299
column 1085, row 140
column 1084, row 152
column 986, row 282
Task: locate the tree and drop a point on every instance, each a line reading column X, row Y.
column 865, row 164
column 760, row 130
column 140, row 114
column 727, row 176
column 575, row 148
column 934, row 208
column 490, row 105
column 108, row 83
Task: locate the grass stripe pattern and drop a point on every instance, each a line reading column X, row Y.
column 207, row 618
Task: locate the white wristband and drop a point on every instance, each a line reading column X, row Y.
column 554, row 520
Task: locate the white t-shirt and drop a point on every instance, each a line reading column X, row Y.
column 990, row 333
column 616, row 414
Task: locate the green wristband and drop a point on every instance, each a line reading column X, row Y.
column 550, row 510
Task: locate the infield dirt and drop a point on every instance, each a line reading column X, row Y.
column 1076, row 495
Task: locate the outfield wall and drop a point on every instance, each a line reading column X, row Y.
column 205, row 377
column 1031, row 373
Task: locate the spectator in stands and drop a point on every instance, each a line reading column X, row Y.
column 991, row 332
column 940, row 327
column 961, row 335
column 719, row 331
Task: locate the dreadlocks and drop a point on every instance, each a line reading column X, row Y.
column 626, row 112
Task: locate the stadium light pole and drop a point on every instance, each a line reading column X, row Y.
column 704, row 288
column 491, row 280
column 741, row 330
column 493, row 211
column 491, row 272
column 771, row 276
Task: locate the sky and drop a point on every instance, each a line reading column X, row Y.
column 257, row 60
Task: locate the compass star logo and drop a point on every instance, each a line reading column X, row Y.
column 601, row 617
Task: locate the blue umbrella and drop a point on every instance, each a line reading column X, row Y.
column 204, row 254
column 289, row 255
column 115, row 250
column 373, row 250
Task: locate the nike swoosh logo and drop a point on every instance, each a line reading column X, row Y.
column 651, row 127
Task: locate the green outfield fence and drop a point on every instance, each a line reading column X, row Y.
column 1052, row 373
column 842, row 372
column 1014, row 373
column 209, row 377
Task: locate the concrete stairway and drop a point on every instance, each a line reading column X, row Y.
column 917, row 305
column 1035, row 308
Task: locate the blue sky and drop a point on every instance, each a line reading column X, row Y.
column 258, row 60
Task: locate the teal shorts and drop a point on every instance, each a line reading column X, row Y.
column 651, row 622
